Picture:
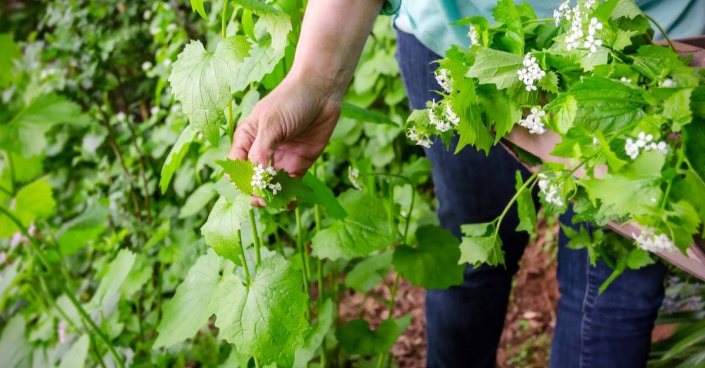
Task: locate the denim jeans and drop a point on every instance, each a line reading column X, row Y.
column 464, row 322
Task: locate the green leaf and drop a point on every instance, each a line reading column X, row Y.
column 564, row 109
column 683, row 222
column 695, row 146
column 363, row 231
column 221, row 229
column 321, row 194
column 262, row 61
column 35, row 200
column 355, row 112
column 26, row 132
column 356, row 337
column 606, row 105
column 615, row 163
column 638, row 258
column 369, row 272
column 200, row 79
column 192, row 305
column 433, row 263
column 501, row 109
column 278, row 23
column 326, row 316
column 197, row 200
column 623, row 39
column 83, row 229
column 481, row 245
column 175, row 156
column 496, row 67
column 634, row 191
column 690, row 187
column 14, row 347
column 525, row 207
column 241, row 172
column 267, row 318
column 472, row 131
column 197, row 6
column 549, row 82
column 655, row 62
column 9, row 52
column 677, row 108
column 76, row 356
column 117, row 272
column 513, row 38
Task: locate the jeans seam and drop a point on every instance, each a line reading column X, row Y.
column 584, row 312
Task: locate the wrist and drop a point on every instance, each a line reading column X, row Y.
column 328, row 81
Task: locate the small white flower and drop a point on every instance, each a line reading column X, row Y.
column 276, row 187
column 167, row 6
column 668, row 83
column 649, row 241
column 146, row 65
column 18, row 238
column 551, row 191
column 354, row 175
column 3, row 257
column 147, row 14
column 403, row 213
column 533, row 121
column 474, row 35
column 166, row 62
column 61, row 331
column 631, row 148
column 86, row 83
column 421, row 139
column 262, row 179
column 154, row 110
column 155, row 31
column 589, row 3
column 32, row 230
column 120, row 116
column 437, row 118
column 625, row 80
column 171, row 27
column 646, row 142
column 531, row 73
column 595, row 141
column 594, row 26
column 444, row 80
column 592, row 44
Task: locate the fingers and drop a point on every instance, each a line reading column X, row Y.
column 243, row 137
column 269, row 134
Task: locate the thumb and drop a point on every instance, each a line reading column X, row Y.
column 268, row 136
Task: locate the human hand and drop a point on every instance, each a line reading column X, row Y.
column 291, row 126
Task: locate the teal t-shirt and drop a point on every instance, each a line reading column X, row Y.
column 429, row 20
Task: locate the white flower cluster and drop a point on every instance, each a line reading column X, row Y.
column 354, row 175
column 578, row 16
column 645, row 141
column 444, row 80
column 533, row 121
column 668, row 83
column 262, row 179
column 651, row 242
column 442, row 118
column 552, row 191
column 474, row 35
column 421, row 139
column 531, row 73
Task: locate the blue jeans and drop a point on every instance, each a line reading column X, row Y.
column 464, row 322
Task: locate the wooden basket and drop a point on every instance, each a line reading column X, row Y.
column 542, row 145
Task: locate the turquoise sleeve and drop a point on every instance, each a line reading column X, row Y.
column 390, row 7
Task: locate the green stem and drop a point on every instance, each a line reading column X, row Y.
column 242, row 258
column 222, row 19
column 11, row 168
column 663, row 32
column 257, row 363
column 390, row 310
column 63, row 287
column 539, row 20
column 664, row 200
column 255, row 235
column 499, row 219
column 317, row 214
column 300, row 245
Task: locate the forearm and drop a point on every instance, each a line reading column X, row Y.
column 332, row 37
